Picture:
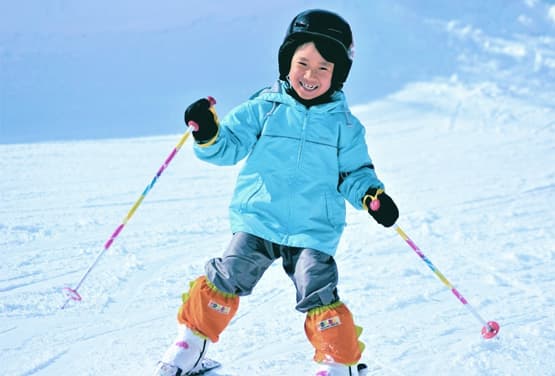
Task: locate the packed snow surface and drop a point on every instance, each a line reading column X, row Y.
column 471, row 167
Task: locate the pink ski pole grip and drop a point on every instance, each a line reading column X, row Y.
column 193, row 124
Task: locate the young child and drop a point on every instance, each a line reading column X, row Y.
column 306, row 154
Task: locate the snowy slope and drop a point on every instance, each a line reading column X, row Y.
column 471, row 168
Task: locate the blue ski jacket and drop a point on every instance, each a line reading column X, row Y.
column 302, row 164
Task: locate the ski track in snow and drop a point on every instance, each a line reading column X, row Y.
column 44, row 365
column 475, row 191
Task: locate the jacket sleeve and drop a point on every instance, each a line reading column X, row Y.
column 356, row 170
column 239, row 131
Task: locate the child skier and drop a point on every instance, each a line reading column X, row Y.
column 306, row 154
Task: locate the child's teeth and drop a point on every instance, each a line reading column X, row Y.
column 309, row 87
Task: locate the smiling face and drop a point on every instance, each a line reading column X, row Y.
column 310, row 74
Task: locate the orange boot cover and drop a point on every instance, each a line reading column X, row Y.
column 333, row 333
column 207, row 310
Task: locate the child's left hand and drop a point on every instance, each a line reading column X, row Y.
column 381, row 207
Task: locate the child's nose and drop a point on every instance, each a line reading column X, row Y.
column 310, row 73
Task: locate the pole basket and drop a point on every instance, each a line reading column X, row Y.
column 490, row 330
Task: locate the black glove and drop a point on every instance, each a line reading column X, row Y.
column 202, row 116
column 381, row 207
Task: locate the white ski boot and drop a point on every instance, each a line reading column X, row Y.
column 184, row 356
column 336, row 369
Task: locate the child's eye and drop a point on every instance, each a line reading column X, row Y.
column 302, row 63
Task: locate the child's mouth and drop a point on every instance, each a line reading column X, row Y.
column 308, row 87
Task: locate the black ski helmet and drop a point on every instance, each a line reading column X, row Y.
column 320, row 26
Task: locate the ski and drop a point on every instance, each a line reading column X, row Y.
column 207, row 365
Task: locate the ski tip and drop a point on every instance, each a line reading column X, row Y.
column 490, row 330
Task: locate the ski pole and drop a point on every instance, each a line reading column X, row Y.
column 490, row 328
column 72, row 293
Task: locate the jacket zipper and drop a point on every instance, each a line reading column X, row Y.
column 303, row 139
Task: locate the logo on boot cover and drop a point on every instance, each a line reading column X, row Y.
column 219, row 308
column 329, row 323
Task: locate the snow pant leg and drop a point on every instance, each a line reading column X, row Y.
column 242, row 265
column 314, row 275
column 332, row 332
column 206, row 310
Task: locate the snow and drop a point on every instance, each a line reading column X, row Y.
column 471, row 166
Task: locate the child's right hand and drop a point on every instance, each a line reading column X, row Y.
column 201, row 116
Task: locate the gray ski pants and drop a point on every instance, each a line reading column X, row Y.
column 247, row 257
